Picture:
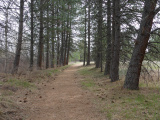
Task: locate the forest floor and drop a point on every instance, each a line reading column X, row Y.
column 57, row 96
column 75, row 92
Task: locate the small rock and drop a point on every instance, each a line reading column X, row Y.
column 103, row 98
column 113, row 101
column 146, row 101
column 144, row 112
column 25, row 100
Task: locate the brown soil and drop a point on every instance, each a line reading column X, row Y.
column 61, row 99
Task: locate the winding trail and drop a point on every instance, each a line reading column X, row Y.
column 63, row 99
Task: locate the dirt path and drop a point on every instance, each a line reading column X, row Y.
column 63, row 99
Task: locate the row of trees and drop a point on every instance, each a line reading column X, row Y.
column 110, row 32
column 120, row 32
column 44, row 30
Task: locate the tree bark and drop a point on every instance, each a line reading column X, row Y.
column 62, row 37
column 134, row 69
column 58, row 45
column 53, row 37
column 99, row 40
column 62, row 44
column 113, row 36
column 116, row 51
column 108, row 51
column 85, row 34
column 100, row 31
column 65, row 52
column 19, row 44
column 47, row 49
column 40, row 46
column 6, row 39
column 89, row 31
column 66, row 41
column 58, row 41
column 32, row 41
column 70, row 32
column 69, row 43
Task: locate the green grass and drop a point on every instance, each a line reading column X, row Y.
column 4, row 99
column 88, row 83
column 7, row 93
column 121, row 103
column 109, row 114
column 56, row 70
column 1, row 83
column 90, row 71
column 147, row 105
column 85, row 71
column 50, row 72
column 20, row 83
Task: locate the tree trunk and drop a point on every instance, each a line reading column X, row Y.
column 113, row 37
column 134, row 69
column 65, row 52
column 67, row 37
column 89, row 27
column 6, row 39
column 58, row 41
column 53, row 37
column 32, row 41
column 84, row 60
column 116, row 51
column 99, row 40
column 108, row 51
column 19, row 44
column 40, row 46
column 100, row 31
column 47, row 50
column 69, row 44
column 58, row 44
column 62, row 44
